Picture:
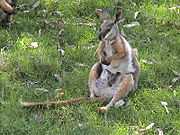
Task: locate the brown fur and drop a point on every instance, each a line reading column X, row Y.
column 5, row 6
column 119, row 48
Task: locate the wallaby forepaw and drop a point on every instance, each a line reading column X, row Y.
column 92, row 95
column 119, row 103
column 102, row 109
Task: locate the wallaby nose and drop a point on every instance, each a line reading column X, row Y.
column 100, row 36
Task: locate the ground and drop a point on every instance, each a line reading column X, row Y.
column 33, row 69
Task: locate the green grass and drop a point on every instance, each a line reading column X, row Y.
column 25, row 73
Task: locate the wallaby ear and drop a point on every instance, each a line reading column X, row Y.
column 102, row 14
column 118, row 15
column 99, row 12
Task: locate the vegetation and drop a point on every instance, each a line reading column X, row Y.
column 32, row 69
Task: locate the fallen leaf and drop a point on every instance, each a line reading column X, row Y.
column 59, row 93
column 174, row 80
column 35, row 5
column 132, row 24
column 81, row 65
column 136, row 14
column 80, row 125
column 34, row 45
column 57, row 77
column 176, row 73
column 160, row 131
column 147, row 62
column 42, row 90
column 147, row 128
column 26, row 11
column 150, row 126
column 38, row 117
column 61, row 51
column 89, row 47
column 56, row 13
column 164, row 104
column 174, row 8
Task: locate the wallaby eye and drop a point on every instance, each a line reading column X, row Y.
column 108, row 29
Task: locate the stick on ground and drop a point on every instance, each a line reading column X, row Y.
column 48, row 104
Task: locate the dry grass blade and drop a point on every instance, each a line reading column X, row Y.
column 147, row 128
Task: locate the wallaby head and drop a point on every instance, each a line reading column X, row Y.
column 109, row 26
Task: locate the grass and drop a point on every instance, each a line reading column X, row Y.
column 27, row 73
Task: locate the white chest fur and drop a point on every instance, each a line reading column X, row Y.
column 102, row 88
column 108, row 49
column 123, row 65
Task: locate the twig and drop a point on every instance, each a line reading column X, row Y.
column 48, row 104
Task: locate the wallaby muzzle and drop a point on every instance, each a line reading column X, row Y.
column 101, row 35
column 104, row 32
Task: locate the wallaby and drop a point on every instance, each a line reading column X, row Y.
column 7, row 8
column 115, row 57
